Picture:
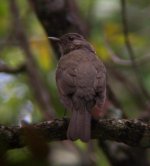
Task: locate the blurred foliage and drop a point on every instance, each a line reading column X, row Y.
column 16, row 97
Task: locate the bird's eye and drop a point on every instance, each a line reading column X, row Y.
column 71, row 38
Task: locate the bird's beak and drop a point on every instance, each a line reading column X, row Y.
column 54, row 39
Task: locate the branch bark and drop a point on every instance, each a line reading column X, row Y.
column 131, row 132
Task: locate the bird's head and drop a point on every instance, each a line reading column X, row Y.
column 70, row 42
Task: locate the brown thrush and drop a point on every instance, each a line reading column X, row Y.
column 81, row 82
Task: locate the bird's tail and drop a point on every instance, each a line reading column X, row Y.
column 79, row 126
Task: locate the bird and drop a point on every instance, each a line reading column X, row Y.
column 81, row 83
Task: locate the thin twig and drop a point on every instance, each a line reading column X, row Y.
column 116, row 59
column 130, row 49
column 123, row 62
column 131, row 87
column 11, row 70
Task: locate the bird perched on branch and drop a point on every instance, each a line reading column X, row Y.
column 81, row 82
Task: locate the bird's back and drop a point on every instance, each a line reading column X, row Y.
column 77, row 74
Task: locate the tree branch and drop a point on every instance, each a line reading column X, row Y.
column 41, row 93
column 59, row 17
column 131, row 132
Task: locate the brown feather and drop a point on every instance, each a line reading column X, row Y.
column 80, row 126
column 81, row 82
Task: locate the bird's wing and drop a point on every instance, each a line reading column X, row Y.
column 100, row 83
column 65, row 79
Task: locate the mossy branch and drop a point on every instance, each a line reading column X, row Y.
column 131, row 132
